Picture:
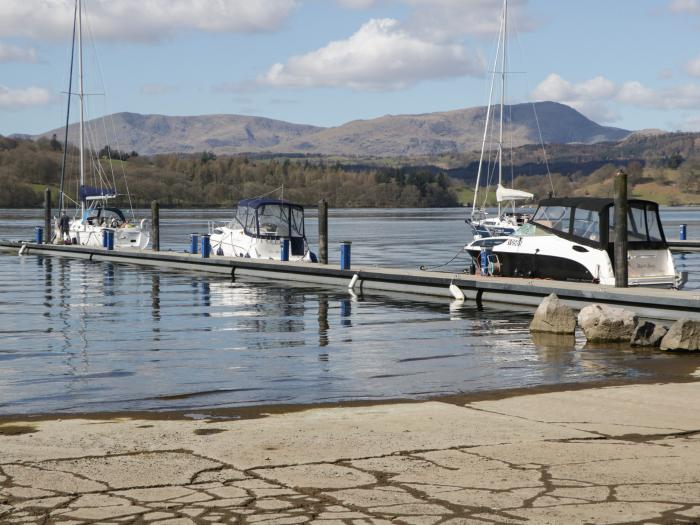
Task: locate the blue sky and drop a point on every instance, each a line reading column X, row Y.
column 627, row 63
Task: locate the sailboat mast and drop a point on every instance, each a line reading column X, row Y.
column 488, row 121
column 61, row 201
column 504, row 25
column 82, row 104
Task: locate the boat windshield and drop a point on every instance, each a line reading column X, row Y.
column 642, row 224
column 553, row 217
column 272, row 220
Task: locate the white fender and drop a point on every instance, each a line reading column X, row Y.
column 353, row 281
column 457, row 293
column 23, row 249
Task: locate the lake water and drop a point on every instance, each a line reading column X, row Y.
column 80, row 336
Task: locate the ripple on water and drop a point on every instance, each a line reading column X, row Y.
column 78, row 335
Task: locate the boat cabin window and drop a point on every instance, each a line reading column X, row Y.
column 554, row 217
column 273, row 219
column 297, row 222
column 587, row 224
column 245, row 216
column 642, row 224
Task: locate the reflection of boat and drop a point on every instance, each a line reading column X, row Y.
column 258, row 229
column 573, row 239
column 506, row 222
column 95, row 215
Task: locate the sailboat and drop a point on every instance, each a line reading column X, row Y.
column 96, row 216
column 506, row 221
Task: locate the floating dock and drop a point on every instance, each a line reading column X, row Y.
column 684, row 246
column 653, row 303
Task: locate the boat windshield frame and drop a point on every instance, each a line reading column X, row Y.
column 574, row 219
column 261, row 218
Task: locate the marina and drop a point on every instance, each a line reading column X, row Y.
column 134, row 325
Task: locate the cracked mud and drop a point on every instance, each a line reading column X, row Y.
column 614, row 455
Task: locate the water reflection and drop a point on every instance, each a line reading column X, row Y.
column 323, row 320
column 83, row 335
column 558, row 351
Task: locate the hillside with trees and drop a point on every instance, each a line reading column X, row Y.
column 661, row 167
column 208, row 180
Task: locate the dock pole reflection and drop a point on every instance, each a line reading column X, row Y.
column 323, row 320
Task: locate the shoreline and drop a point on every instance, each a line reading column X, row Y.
column 248, row 412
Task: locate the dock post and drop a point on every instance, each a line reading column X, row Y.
column 345, row 247
column 206, row 246
column 621, row 211
column 284, row 250
column 323, row 231
column 47, row 216
column 155, row 226
column 683, row 234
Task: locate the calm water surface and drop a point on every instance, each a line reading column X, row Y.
column 81, row 336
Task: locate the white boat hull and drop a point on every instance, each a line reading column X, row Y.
column 235, row 243
column 126, row 236
column 553, row 257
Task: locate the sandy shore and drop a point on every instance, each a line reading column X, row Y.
column 622, row 454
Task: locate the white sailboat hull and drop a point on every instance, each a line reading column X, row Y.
column 126, row 236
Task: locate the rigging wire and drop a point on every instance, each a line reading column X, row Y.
column 537, row 119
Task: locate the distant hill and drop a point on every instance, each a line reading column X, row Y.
column 388, row 136
column 152, row 134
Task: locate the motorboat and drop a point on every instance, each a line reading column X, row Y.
column 258, row 229
column 572, row 239
column 93, row 216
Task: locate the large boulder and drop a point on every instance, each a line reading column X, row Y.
column 553, row 316
column 683, row 335
column 605, row 324
column 648, row 334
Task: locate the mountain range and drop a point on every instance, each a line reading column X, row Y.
column 388, row 136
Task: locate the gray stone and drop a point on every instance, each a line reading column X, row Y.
column 648, row 334
column 605, row 324
column 683, row 335
column 553, row 316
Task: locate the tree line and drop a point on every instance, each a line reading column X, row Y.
column 205, row 180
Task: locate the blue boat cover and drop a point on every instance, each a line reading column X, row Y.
column 262, row 201
column 90, row 191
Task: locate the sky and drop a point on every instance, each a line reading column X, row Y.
column 633, row 64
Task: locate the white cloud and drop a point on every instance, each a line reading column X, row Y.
column 23, row 97
column 142, row 20
column 597, row 97
column 693, row 67
column 556, row 88
column 381, row 55
column 10, row 53
column 684, row 6
column 444, row 20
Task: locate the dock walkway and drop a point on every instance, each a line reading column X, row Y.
column 648, row 302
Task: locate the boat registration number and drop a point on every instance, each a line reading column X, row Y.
column 515, row 242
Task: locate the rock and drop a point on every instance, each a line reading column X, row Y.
column 605, row 324
column 648, row 334
column 683, row 335
column 553, row 316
